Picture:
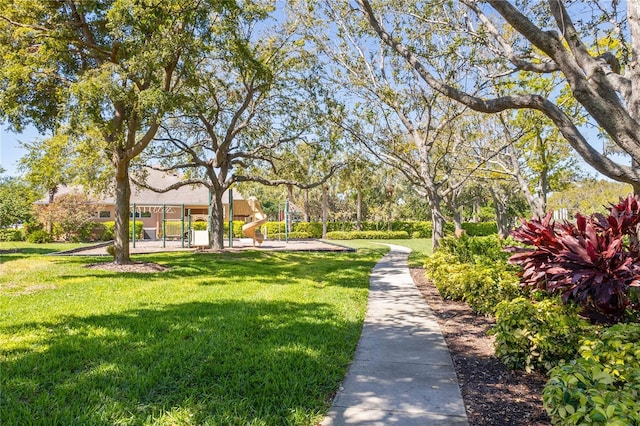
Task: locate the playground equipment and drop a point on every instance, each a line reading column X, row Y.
column 252, row 229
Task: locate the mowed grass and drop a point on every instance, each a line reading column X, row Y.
column 250, row 338
column 420, row 247
column 22, row 248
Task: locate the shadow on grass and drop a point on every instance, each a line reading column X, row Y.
column 343, row 269
column 20, row 253
column 228, row 362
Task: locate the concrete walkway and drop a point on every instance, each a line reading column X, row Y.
column 402, row 372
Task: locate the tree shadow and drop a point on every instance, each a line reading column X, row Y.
column 227, row 362
column 9, row 254
column 224, row 268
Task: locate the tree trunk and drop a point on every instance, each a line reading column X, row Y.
column 636, row 185
column 307, row 216
column 437, row 220
column 216, row 220
column 123, row 199
column 457, row 217
column 289, row 217
column 325, row 210
column 502, row 217
column 389, row 208
column 437, row 223
column 476, row 210
column 358, row 211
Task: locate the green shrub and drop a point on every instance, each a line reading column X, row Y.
column 202, row 226
column 482, row 286
column 480, row 229
column 237, row 228
column 275, row 228
column 292, row 235
column 107, row 231
column 485, row 286
column 10, row 234
column 89, row 232
column 139, row 228
column 449, row 228
column 601, row 387
column 469, row 249
column 367, row 235
column 424, row 228
column 39, row 237
column 30, row 227
column 199, row 226
column 313, row 229
column 444, row 270
column 416, row 235
column 109, row 227
column 537, row 335
column 351, row 226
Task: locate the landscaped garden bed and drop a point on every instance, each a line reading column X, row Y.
column 567, row 316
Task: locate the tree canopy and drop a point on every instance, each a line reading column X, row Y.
column 116, row 67
column 601, row 72
column 16, row 197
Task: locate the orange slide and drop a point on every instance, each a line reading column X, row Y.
column 252, row 229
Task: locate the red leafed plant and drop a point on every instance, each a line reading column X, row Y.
column 593, row 262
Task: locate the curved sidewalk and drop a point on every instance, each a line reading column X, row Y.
column 402, row 372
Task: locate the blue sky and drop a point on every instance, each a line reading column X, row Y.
column 10, row 151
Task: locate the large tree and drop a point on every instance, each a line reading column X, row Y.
column 593, row 45
column 16, row 198
column 250, row 105
column 392, row 113
column 112, row 66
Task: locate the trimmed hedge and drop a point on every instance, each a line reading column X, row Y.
column 414, row 229
column 237, row 227
column 109, row 227
column 10, row 234
column 292, row 235
column 480, row 229
column 312, row 229
column 367, row 235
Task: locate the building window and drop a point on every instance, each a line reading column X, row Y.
column 199, row 211
column 140, row 215
column 104, row 214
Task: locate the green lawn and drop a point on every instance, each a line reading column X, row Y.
column 251, row 338
column 420, row 247
column 31, row 248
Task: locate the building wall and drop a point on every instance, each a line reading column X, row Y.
column 151, row 216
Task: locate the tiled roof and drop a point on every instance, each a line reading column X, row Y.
column 191, row 194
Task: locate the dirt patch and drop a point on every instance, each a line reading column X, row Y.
column 137, row 267
column 493, row 394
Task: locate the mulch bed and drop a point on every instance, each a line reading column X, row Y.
column 493, row 394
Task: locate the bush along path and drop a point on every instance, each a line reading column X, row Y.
column 565, row 320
